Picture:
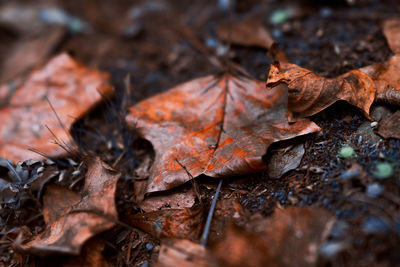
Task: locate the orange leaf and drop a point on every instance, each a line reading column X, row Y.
column 213, row 126
column 71, row 219
column 72, row 90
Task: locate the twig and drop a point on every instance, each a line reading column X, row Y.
column 204, row 236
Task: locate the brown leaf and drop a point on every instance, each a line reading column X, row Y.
column 391, row 29
column 227, row 210
column 184, row 253
column 72, row 90
column 386, row 78
column 171, row 223
column 213, row 126
column 249, row 32
column 29, row 53
column 173, row 200
column 284, row 160
column 72, row 219
column 291, row 237
column 310, row 93
column 390, row 127
column 91, row 256
column 385, row 74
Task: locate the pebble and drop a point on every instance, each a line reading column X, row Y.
column 379, row 112
column 367, row 133
column 149, row 246
column 374, row 190
column 331, row 249
column 350, row 174
column 339, row 230
column 375, row 225
column 325, row 12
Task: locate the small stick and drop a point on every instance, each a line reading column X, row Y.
column 204, row 236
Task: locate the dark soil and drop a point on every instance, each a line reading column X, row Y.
column 329, row 38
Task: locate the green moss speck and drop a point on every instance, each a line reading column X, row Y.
column 383, row 170
column 346, row 152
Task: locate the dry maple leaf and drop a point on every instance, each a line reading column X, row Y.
column 310, row 93
column 71, row 218
column 72, row 90
column 214, row 126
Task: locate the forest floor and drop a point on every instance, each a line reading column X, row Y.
column 155, row 43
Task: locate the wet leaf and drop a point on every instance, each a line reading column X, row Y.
column 72, row 90
column 390, row 127
column 173, row 200
column 310, row 93
column 213, row 126
column 71, row 218
column 171, row 223
column 249, row 32
column 291, row 237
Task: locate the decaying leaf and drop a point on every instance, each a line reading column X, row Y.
column 310, row 93
column 71, row 218
column 171, row 223
column 213, row 126
column 184, row 253
column 387, row 81
column 291, row 237
column 72, row 90
column 284, row 160
column 390, row 127
column 172, row 200
column 249, row 32
column 386, row 74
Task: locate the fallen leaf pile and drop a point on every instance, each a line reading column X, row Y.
column 225, row 133
column 26, row 116
column 310, row 93
column 218, row 126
